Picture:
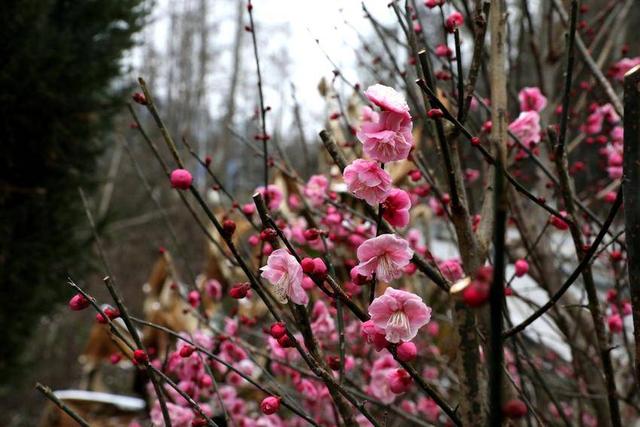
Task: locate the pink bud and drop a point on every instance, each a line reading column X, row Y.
column 399, row 381
column 454, row 21
column 433, row 3
column 558, row 222
column 206, row 381
column 522, row 267
column 307, row 283
column 248, row 209
column 194, row 298
column 308, row 265
column 615, row 323
column 181, row 179
column 476, row 294
column 320, row 269
column 407, row 351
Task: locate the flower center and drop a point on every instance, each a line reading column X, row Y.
column 385, row 267
column 399, row 321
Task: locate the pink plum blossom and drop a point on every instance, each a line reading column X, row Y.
column 531, row 99
column 385, row 256
column 400, row 314
column 389, row 138
column 367, row 180
column 180, row 417
column 316, row 189
column 527, row 127
column 379, row 385
column 620, row 68
column 396, row 207
column 388, row 99
column 285, row 274
column 368, row 115
column 374, row 335
column 454, row 21
column 275, row 196
column 451, row 269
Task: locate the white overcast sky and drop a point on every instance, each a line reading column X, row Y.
column 297, row 24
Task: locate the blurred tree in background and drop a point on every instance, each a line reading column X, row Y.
column 57, row 96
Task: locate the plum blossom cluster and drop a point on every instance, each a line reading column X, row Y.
column 329, row 298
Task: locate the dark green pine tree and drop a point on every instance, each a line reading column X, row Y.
column 59, row 64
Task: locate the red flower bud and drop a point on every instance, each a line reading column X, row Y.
column 194, row 298
column 140, row 356
column 239, row 290
column 333, row 362
column 268, row 234
column 476, row 294
column 277, row 330
column 78, row 302
column 229, row 226
column 186, row 351
column 139, row 98
column 435, row 113
column 285, row 342
column 270, row 405
column 514, row 408
column 311, row 234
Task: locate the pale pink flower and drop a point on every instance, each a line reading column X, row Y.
column 385, row 256
column 368, row 115
column 379, row 385
column 396, row 207
column 454, row 21
column 388, row 99
column 373, row 335
column 399, row 381
column 531, row 99
column 316, row 189
column 275, row 196
column 527, row 127
column 596, row 119
column 620, row 68
column 400, row 314
column 180, row 417
column 429, row 408
column 285, row 274
column 322, row 323
column 389, row 138
column 213, row 288
column 367, row 180
column 443, row 50
column 451, row 269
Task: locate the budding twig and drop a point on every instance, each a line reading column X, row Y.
column 46, row 391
